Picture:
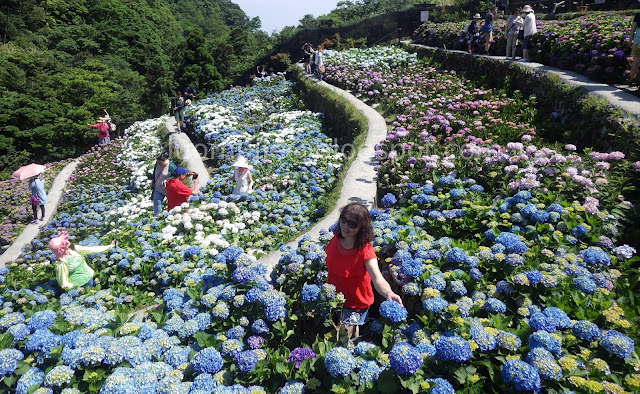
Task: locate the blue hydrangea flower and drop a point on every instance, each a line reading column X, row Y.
column 310, row 293
column 388, row 200
column 405, row 359
column 539, row 321
column 393, row 311
column 557, row 317
column 246, row 360
column 59, row 376
column 512, row 243
column 41, row 320
column 411, row 268
column 34, row 376
column 494, row 305
column 456, row 288
column 207, row 361
column 435, row 305
column 452, row 349
column 509, row 341
column 456, row 255
column 339, row 362
column 617, row 344
column 521, row 375
column 442, row 386
column 586, row 330
column 292, row 387
column 584, row 284
column 545, row 340
column 485, row 340
column 545, row 363
column 369, row 371
column 260, row 327
column 9, row 361
column 595, row 256
column 579, row 230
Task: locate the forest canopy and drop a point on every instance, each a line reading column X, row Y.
column 63, row 61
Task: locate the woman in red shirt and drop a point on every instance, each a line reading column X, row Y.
column 353, row 264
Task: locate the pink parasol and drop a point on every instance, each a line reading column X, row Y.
column 28, row 171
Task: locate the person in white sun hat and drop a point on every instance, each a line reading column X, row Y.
column 529, row 27
column 242, row 176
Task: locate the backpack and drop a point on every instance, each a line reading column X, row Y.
column 466, row 28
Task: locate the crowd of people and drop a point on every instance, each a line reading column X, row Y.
column 520, row 27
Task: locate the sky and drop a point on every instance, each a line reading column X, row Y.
column 276, row 14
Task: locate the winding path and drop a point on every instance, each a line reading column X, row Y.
column 54, row 196
column 360, row 181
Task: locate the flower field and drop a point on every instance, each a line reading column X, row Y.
column 593, row 44
column 505, row 249
column 15, row 208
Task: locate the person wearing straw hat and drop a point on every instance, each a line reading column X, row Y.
column 103, row 131
column 529, row 27
column 71, row 268
column 242, row 176
column 472, row 29
column 38, row 197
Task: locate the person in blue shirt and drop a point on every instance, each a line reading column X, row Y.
column 487, row 28
column 38, row 197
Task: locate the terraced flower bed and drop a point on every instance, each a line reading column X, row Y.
column 214, row 315
column 503, row 247
column 593, row 44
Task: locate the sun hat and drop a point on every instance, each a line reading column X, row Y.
column 527, row 8
column 180, row 171
column 60, row 244
column 242, row 162
column 476, row 16
column 101, row 120
column 187, row 102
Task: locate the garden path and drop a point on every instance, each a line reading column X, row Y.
column 617, row 97
column 191, row 158
column 360, row 181
column 54, row 196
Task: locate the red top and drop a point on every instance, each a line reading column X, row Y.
column 103, row 129
column 177, row 193
column 348, row 273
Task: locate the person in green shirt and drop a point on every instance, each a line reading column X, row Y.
column 71, row 268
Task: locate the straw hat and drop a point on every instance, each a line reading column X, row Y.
column 101, row 120
column 476, row 16
column 527, row 8
column 187, row 102
column 242, row 162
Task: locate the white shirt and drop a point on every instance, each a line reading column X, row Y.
column 530, row 24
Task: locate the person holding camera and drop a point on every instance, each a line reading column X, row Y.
column 177, row 191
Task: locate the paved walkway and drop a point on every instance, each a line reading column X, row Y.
column 617, row 97
column 360, row 181
column 54, row 196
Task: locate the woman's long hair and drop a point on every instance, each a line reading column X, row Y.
column 359, row 214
